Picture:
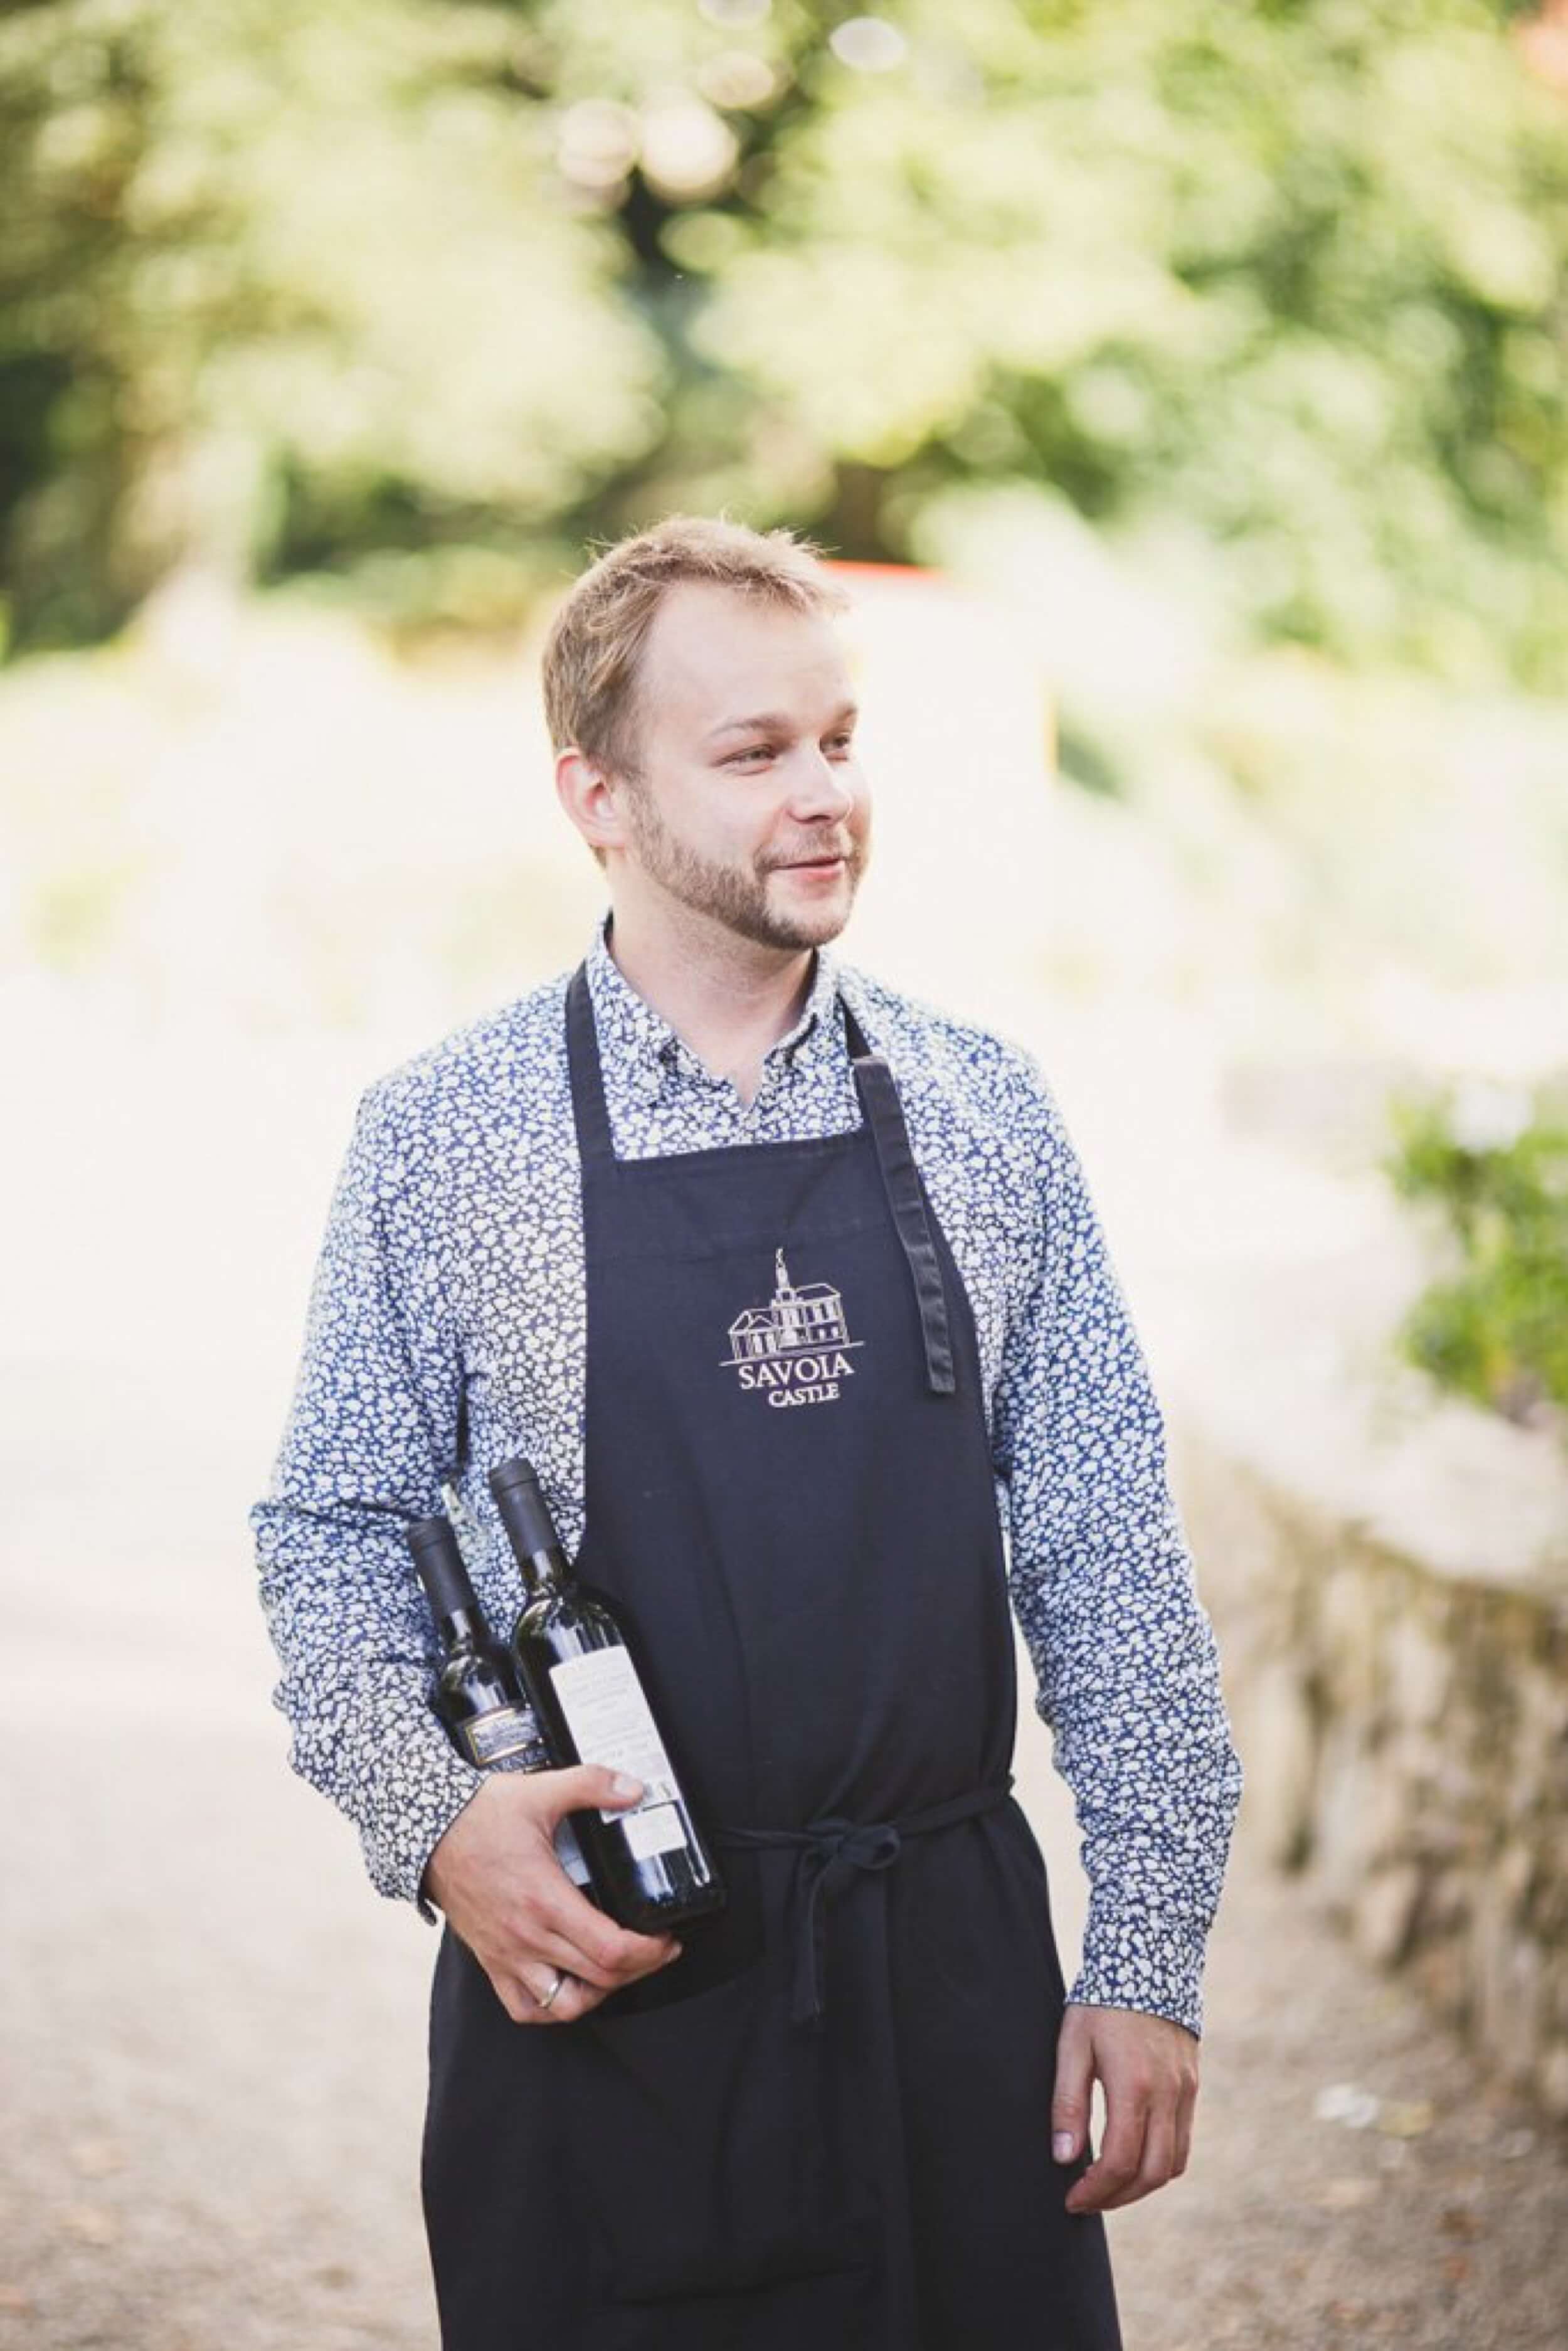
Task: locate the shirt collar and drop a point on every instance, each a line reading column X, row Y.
column 628, row 1028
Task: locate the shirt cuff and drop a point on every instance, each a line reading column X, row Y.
column 417, row 1798
column 1135, row 1958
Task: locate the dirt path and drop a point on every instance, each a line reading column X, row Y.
column 1355, row 2181
column 212, row 2034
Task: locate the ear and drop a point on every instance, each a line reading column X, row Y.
column 589, row 798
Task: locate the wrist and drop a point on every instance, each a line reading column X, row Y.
column 428, row 1892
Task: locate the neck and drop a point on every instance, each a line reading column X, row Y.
column 728, row 997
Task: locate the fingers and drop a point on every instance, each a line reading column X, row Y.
column 507, row 1898
column 547, row 1989
column 524, row 1996
column 584, row 1788
column 559, row 1932
column 1147, row 2066
column 563, row 1926
column 1186, row 2109
column 1149, row 2133
column 586, row 1957
column 1074, row 2080
column 1156, row 2166
column 1119, row 2160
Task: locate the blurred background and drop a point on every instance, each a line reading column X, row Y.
column 1183, row 391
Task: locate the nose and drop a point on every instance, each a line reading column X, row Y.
column 822, row 789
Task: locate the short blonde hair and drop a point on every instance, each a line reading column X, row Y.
column 592, row 652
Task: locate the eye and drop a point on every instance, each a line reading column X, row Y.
column 845, row 743
column 753, row 751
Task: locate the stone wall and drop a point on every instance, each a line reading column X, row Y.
column 1404, row 1732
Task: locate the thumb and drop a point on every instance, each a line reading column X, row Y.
column 588, row 1787
column 1074, row 2081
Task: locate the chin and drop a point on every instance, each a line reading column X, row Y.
column 811, row 926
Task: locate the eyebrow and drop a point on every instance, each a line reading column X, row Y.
column 775, row 721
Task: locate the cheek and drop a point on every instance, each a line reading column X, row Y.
column 738, row 835
column 719, row 824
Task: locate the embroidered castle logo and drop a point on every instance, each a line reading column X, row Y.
column 796, row 1349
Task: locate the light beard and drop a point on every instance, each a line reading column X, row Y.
column 733, row 896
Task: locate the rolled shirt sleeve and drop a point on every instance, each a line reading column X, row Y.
column 1103, row 1581
column 372, row 1430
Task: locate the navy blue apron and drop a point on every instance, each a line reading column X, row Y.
column 826, row 2126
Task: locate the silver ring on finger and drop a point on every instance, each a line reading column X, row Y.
column 554, row 1992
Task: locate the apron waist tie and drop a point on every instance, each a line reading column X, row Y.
column 830, row 1851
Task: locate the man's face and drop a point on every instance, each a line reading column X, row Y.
column 751, row 809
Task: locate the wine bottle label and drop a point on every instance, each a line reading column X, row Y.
column 609, row 1719
column 491, row 1738
column 652, row 1828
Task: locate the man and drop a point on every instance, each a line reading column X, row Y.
column 780, row 1279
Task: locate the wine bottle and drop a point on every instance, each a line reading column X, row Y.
column 477, row 1697
column 650, row 1864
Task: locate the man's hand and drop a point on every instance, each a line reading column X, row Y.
column 1148, row 2068
column 496, row 1876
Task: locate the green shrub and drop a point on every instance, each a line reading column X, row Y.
column 1495, row 1163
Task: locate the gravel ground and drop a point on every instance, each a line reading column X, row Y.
column 212, row 2032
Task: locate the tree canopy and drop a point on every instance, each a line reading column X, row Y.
column 452, row 285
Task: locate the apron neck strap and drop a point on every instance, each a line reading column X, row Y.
column 587, row 1104
column 883, row 1115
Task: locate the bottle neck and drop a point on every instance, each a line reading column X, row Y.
column 461, row 1628
column 530, row 1529
column 547, row 1570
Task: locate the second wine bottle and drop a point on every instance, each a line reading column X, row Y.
column 652, row 1865
column 477, row 1696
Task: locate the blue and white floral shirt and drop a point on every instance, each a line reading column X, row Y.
column 446, row 1329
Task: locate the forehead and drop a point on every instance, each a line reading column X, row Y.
column 715, row 653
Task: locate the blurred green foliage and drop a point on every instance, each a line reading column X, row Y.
column 423, row 292
column 1495, row 1165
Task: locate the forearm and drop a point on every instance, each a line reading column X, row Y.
column 1128, row 1679
column 354, row 1687
column 1104, row 1587
column 372, row 1430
